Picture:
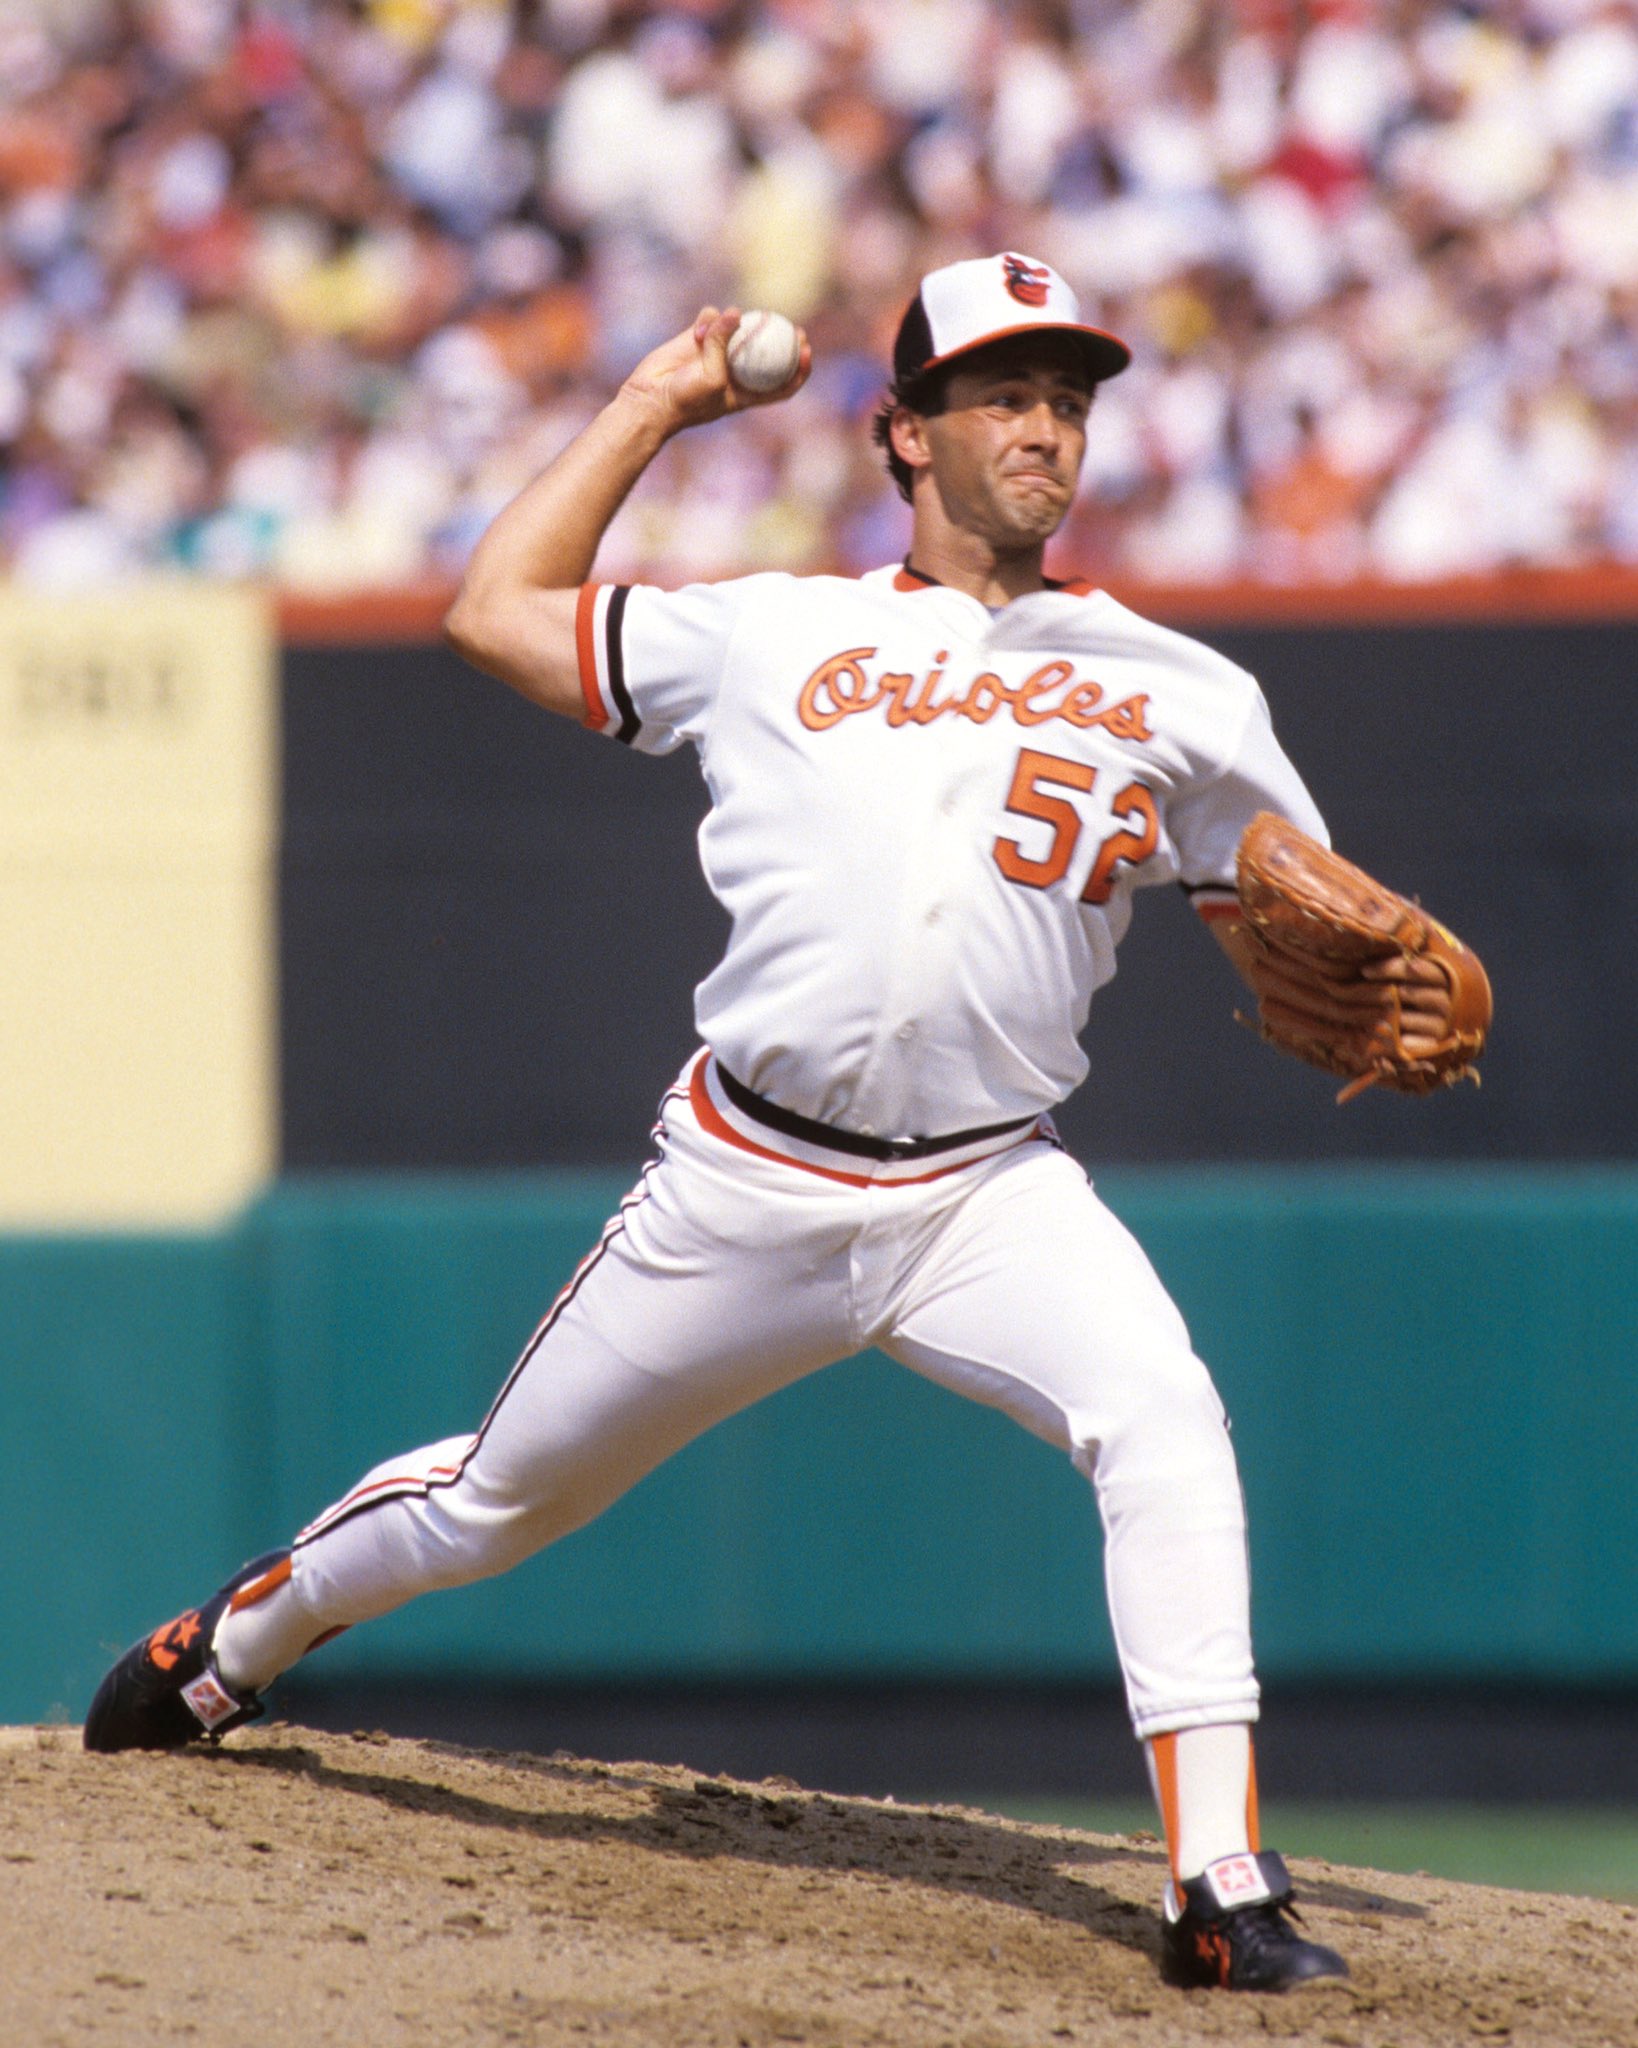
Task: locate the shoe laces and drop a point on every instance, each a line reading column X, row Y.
column 1267, row 1926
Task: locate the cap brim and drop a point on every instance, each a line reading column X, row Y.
column 1107, row 354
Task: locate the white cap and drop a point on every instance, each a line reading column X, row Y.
column 966, row 305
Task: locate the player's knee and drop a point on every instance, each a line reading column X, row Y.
column 1173, row 1422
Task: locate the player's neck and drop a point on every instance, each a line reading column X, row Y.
column 965, row 561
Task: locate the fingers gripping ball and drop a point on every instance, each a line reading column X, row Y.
column 764, row 353
column 1351, row 976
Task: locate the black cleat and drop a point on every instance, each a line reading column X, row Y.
column 166, row 1691
column 1233, row 1929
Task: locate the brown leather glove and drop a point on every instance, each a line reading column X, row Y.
column 1350, row 976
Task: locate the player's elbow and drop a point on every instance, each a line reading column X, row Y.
column 463, row 626
column 526, row 641
column 479, row 626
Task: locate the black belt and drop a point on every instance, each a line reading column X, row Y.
column 854, row 1142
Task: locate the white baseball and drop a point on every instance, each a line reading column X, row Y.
column 763, row 352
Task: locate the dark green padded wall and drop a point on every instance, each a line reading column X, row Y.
column 1430, row 1373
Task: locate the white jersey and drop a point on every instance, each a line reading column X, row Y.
column 928, row 821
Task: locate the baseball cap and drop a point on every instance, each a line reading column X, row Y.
column 965, row 305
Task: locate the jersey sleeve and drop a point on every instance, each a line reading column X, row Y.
column 651, row 661
column 1206, row 823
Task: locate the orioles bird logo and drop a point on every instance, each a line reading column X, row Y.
column 1027, row 282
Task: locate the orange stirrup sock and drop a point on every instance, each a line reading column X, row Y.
column 1205, row 1785
column 264, row 1631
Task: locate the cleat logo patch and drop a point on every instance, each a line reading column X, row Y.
column 1237, row 1881
column 209, row 1700
column 168, row 1645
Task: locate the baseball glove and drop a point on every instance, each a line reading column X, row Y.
column 1350, row 976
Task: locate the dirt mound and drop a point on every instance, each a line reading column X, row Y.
column 296, row 1888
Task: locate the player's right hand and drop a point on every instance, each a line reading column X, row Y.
column 686, row 379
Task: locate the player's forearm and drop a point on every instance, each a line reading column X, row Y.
column 514, row 613
column 547, row 538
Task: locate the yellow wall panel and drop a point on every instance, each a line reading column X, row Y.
column 138, row 835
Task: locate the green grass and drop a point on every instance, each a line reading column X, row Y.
column 1588, row 1850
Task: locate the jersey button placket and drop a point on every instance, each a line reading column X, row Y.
column 915, row 957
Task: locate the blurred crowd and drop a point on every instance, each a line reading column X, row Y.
column 305, row 290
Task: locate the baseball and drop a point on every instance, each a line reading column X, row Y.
column 764, row 351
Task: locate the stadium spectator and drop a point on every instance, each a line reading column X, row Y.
column 304, row 290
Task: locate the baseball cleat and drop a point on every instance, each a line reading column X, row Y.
column 1232, row 1928
column 166, row 1691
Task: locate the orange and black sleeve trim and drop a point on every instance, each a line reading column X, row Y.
column 1212, row 900
column 599, row 622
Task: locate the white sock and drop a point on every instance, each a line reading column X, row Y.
column 255, row 1642
column 1205, row 1786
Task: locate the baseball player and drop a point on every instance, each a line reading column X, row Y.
column 934, row 792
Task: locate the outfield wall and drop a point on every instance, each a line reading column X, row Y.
column 1430, row 1373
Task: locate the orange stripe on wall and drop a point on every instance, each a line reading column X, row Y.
column 1565, row 596
column 361, row 617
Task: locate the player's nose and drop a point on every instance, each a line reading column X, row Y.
column 1042, row 428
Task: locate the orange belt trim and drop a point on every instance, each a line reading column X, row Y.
column 712, row 1120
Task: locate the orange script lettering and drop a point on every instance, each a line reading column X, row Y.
column 842, row 687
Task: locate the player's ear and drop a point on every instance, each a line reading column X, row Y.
column 907, row 431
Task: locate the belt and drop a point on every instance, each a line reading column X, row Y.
column 787, row 1121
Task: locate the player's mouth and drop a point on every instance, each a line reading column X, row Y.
column 1044, row 479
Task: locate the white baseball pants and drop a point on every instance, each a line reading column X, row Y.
column 730, row 1272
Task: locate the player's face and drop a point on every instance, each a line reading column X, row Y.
column 1006, row 451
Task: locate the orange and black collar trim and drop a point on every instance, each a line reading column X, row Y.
column 909, row 577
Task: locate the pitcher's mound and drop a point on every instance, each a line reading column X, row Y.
column 295, row 1888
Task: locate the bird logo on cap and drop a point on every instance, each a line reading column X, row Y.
column 1026, row 282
